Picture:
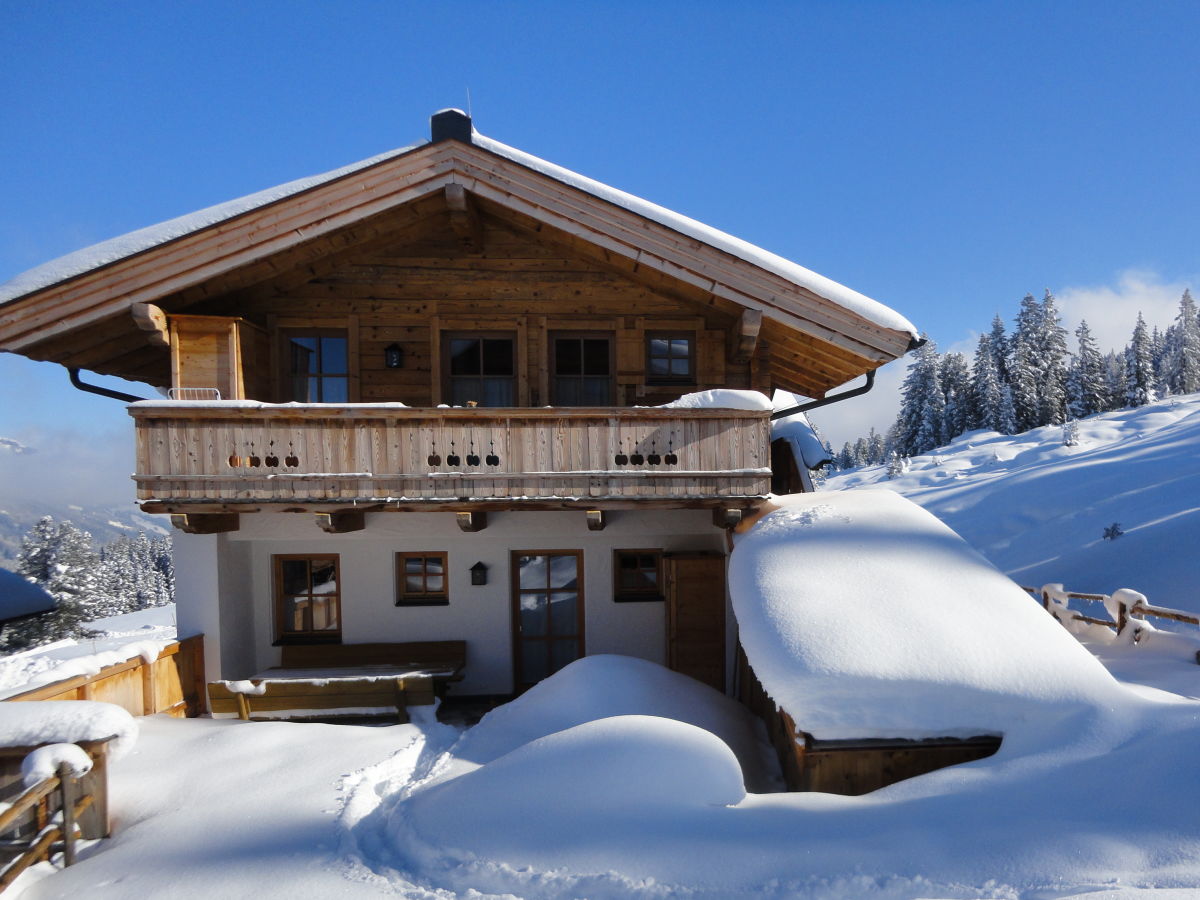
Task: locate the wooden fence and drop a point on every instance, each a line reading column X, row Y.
column 1125, row 611
column 173, row 683
column 50, row 816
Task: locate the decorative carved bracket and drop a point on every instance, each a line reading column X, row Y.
column 471, row 521
column 596, row 519
column 153, row 321
column 206, row 523
column 744, row 338
column 342, row 522
column 726, row 518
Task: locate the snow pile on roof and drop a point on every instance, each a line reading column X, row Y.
column 871, row 310
column 864, row 616
column 602, row 686
column 21, row 597
column 1039, row 509
column 114, row 249
column 28, row 724
column 144, row 633
column 720, row 398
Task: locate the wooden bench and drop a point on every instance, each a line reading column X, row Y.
column 318, row 681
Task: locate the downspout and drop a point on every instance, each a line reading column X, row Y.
column 102, row 391
column 844, row 395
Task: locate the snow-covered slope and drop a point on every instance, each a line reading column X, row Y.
column 1039, row 509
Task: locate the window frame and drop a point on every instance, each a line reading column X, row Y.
column 669, row 379
column 283, row 635
column 423, row 598
column 288, row 378
column 552, row 339
column 447, row 379
column 626, row 595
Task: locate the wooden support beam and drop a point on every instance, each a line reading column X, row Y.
column 596, row 519
column 206, row 523
column 464, row 217
column 726, row 517
column 153, row 321
column 342, row 521
column 744, row 338
column 471, row 521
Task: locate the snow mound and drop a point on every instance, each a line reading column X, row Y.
column 555, row 798
column 31, row 723
column 604, row 686
column 864, row 616
column 720, row 398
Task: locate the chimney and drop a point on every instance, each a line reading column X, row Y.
column 450, row 125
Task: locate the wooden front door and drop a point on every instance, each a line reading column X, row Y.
column 547, row 610
column 696, row 616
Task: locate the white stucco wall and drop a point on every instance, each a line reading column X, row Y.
column 479, row 614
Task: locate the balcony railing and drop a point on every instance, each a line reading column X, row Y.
column 191, row 454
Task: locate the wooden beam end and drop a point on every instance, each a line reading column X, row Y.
column 471, row 521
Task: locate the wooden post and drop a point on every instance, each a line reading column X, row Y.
column 243, row 707
column 1122, row 616
column 68, row 786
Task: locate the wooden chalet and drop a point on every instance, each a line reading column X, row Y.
column 420, row 400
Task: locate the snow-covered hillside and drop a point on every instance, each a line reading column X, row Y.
column 1039, row 509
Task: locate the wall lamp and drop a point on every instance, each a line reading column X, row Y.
column 393, row 356
column 479, row 573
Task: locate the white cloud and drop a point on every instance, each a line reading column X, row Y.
column 1111, row 310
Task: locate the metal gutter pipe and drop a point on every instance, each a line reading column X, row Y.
column 102, row 391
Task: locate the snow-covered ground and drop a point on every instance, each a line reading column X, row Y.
column 1039, row 509
column 118, row 638
column 615, row 778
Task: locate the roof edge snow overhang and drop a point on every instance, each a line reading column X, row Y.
column 182, row 253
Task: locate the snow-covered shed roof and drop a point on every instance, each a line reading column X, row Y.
column 865, row 617
column 19, row 597
column 812, row 324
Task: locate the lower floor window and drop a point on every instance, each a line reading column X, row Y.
column 637, row 575
column 421, row 579
column 308, row 598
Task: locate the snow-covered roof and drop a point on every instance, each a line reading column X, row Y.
column 116, row 249
column 19, row 597
column 86, row 259
column 871, row 310
column 864, row 616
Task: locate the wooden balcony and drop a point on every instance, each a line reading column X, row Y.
column 240, row 456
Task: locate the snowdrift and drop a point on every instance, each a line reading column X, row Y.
column 864, row 616
column 1038, row 509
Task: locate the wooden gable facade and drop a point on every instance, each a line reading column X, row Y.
column 453, row 331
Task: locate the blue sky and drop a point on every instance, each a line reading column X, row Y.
column 942, row 157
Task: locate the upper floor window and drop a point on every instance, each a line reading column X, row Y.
column 670, row 358
column 318, row 366
column 307, row 598
column 582, row 366
column 480, row 368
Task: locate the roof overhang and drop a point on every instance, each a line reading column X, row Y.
column 816, row 337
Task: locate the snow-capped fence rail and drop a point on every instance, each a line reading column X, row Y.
column 167, row 680
column 1123, row 607
column 52, row 813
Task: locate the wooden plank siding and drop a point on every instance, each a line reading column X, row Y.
column 304, row 454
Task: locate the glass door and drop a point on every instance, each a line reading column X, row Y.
column 547, row 612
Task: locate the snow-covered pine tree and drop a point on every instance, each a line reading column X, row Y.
column 60, row 558
column 960, row 415
column 845, row 459
column 1158, row 361
column 1052, row 374
column 1182, row 355
column 1114, row 379
column 1087, row 389
column 998, row 342
column 986, row 386
column 1024, row 365
column 878, row 448
column 1139, row 367
column 919, row 422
